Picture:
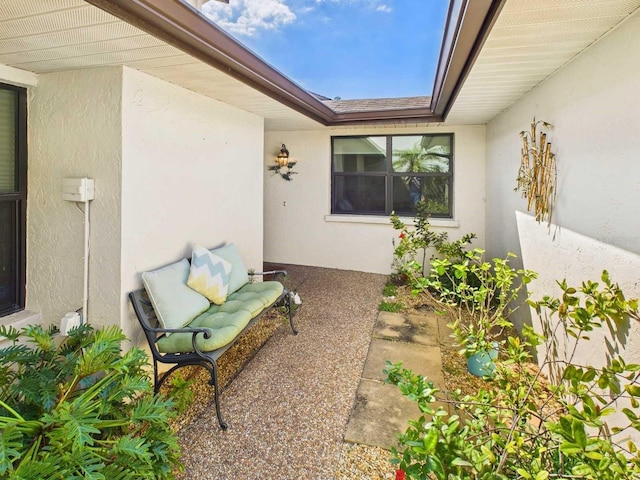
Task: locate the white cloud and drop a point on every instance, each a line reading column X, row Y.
column 248, row 17
column 377, row 4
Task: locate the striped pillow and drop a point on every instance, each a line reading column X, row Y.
column 209, row 275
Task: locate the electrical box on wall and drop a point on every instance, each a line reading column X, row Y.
column 78, row 189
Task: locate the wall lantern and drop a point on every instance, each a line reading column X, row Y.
column 283, row 164
column 283, row 156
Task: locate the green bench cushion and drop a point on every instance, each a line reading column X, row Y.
column 224, row 328
column 226, row 321
column 265, row 292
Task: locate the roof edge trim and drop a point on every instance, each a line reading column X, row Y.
column 182, row 26
column 467, row 27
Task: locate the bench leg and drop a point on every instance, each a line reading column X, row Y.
column 211, row 366
column 287, row 303
column 216, row 389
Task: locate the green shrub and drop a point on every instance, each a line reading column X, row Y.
column 410, row 252
column 523, row 427
column 480, row 295
column 413, row 242
column 76, row 407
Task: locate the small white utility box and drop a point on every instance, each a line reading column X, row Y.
column 78, row 189
column 69, row 321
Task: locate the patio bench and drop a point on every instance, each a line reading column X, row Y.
column 183, row 327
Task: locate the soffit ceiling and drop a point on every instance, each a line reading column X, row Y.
column 56, row 35
column 529, row 42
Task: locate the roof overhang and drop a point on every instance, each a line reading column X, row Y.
column 467, row 27
column 183, row 27
column 493, row 52
column 527, row 43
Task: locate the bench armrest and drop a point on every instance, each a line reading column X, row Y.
column 272, row 272
column 205, row 331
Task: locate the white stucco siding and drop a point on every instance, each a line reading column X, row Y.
column 593, row 104
column 74, row 131
column 192, row 174
column 297, row 229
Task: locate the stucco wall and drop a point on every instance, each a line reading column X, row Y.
column 172, row 169
column 74, row 131
column 192, row 174
column 298, row 229
column 593, row 105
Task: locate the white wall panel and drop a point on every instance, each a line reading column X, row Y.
column 301, row 233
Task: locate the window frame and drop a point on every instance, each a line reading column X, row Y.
column 389, row 174
column 19, row 197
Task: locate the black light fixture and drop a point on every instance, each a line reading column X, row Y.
column 283, row 156
column 283, row 164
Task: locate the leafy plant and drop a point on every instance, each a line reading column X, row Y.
column 181, row 391
column 524, row 427
column 410, row 254
column 79, row 408
column 390, row 307
column 480, row 295
column 390, row 290
column 413, row 242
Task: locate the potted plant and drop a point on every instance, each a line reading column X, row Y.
column 480, row 296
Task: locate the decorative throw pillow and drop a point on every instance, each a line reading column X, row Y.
column 175, row 304
column 209, row 275
column 239, row 273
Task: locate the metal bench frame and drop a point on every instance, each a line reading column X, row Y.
column 147, row 317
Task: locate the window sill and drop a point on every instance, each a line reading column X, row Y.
column 21, row 319
column 376, row 220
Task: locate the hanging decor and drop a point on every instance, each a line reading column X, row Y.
column 537, row 175
column 283, row 165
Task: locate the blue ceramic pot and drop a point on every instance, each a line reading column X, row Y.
column 482, row 364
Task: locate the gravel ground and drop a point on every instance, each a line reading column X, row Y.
column 288, row 408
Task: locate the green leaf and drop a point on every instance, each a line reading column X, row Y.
column 570, row 448
column 10, row 446
column 542, row 475
column 523, row 473
column 582, row 470
column 431, row 440
column 579, row 434
column 459, row 462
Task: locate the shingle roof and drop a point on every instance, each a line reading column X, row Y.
column 377, row 104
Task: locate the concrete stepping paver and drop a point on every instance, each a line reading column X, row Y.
column 422, row 359
column 411, row 328
column 380, row 411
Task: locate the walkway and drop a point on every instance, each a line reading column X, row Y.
column 289, row 408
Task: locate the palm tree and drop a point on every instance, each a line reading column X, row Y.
column 423, row 157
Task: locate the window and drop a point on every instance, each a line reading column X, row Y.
column 13, row 197
column 375, row 175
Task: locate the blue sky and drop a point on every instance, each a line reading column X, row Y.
column 342, row 48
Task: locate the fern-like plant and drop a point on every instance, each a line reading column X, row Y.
column 77, row 407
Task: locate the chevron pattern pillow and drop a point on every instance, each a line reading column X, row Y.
column 209, row 275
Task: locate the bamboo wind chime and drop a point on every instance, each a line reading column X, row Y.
column 537, row 176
